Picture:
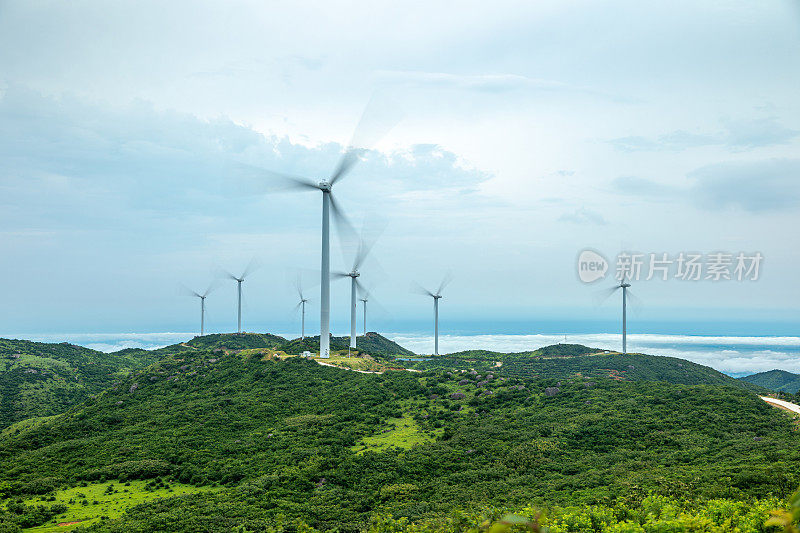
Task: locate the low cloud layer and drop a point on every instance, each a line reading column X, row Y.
column 732, row 355
column 67, row 164
column 736, row 135
column 763, row 186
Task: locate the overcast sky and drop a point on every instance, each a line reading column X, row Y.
column 130, row 131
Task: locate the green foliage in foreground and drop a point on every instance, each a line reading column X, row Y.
column 280, row 437
column 652, row 514
column 86, row 504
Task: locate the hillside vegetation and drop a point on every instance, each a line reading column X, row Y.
column 40, row 379
column 565, row 361
column 776, row 380
column 289, row 442
column 372, row 343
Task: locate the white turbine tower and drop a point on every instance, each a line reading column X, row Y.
column 370, row 129
column 239, row 280
column 624, row 287
column 436, row 297
column 364, row 247
column 302, row 306
column 202, row 305
column 364, row 299
column 626, row 294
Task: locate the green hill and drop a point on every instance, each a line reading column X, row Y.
column 570, row 361
column 371, row 343
column 222, row 341
column 41, row 379
column 776, row 380
column 285, row 442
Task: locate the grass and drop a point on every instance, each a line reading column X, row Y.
column 24, row 425
column 86, row 505
column 400, row 433
column 354, row 363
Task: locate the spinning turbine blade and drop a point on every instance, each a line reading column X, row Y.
column 602, row 295
column 635, row 303
column 360, row 287
column 347, row 234
column 419, row 289
column 189, row 292
column 376, row 121
column 298, row 285
column 445, row 282
column 346, row 163
column 251, row 266
column 214, row 285
column 228, row 274
column 251, row 180
column 370, row 232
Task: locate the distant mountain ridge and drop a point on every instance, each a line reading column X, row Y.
column 776, row 380
column 371, row 343
column 569, row 361
column 42, row 379
column 45, row 379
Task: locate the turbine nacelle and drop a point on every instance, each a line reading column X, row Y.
column 354, row 274
column 324, row 186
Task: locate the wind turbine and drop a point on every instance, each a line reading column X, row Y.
column 202, row 305
column 364, row 247
column 436, row 297
column 625, row 295
column 364, row 299
column 239, row 280
column 367, row 133
column 302, row 306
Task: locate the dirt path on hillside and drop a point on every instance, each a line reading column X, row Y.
column 363, row 371
column 794, row 408
column 347, row 368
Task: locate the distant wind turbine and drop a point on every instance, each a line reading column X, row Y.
column 626, row 294
column 364, row 299
column 436, row 297
column 370, row 129
column 302, row 306
column 239, row 280
column 203, row 305
column 364, row 247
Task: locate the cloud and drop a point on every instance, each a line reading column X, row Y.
column 733, row 355
column 636, row 186
column 493, row 83
column 584, row 216
column 490, row 83
column 753, row 186
column 68, row 164
column 737, row 135
column 759, row 186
